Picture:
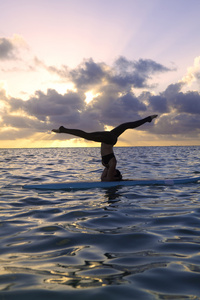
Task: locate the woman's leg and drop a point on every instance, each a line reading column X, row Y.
column 117, row 131
column 107, row 137
column 99, row 136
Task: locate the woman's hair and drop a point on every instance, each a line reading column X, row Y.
column 118, row 174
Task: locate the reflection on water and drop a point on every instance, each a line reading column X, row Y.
column 94, row 273
column 89, row 274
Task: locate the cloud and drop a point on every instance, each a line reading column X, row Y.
column 88, row 74
column 7, row 49
column 193, row 72
column 158, row 103
column 49, row 106
column 124, row 73
column 112, row 107
column 174, row 100
column 116, row 102
column 178, row 124
column 188, row 102
column 136, row 73
column 10, row 47
column 21, row 122
column 164, row 102
column 180, row 111
column 3, row 90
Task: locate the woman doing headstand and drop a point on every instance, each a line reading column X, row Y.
column 107, row 139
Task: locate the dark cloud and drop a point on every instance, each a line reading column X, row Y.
column 112, row 107
column 159, row 104
column 165, row 101
column 49, row 106
column 188, row 102
column 124, row 73
column 116, row 103
column 173, row 100
column 21, row 122
column 178, row 124
column 88, row 74
column 135, row 73
column 7, row 49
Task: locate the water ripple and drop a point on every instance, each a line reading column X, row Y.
column 120, row 243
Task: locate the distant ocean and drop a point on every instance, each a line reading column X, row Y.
column 124, row 243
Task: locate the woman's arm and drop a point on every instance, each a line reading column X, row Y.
column 104, row 174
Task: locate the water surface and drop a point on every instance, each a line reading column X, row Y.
column 140, row 242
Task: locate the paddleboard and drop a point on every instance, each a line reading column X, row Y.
column 107, row 184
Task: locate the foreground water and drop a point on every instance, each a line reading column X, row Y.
column 119, row 243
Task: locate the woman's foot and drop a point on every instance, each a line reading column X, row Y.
column 153, row 117
column 59, row 130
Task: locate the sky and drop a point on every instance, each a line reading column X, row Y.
column 95, row 64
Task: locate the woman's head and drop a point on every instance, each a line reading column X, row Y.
column 118, row 174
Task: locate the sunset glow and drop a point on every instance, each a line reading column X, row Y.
column 95, row 64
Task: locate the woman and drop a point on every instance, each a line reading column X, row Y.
column 107, row 139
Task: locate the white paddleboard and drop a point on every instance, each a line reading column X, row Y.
column 107, row 184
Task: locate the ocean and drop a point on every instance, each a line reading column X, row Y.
column 122, row 243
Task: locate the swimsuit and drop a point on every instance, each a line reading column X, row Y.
column 107, row 158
